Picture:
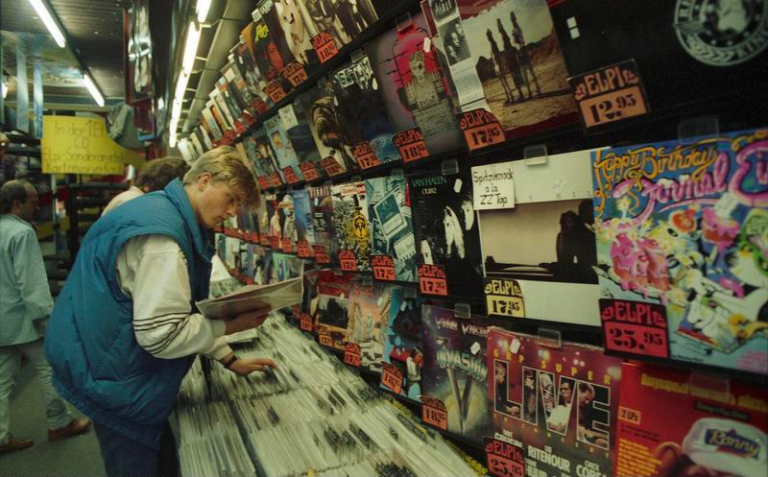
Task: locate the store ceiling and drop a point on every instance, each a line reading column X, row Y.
column 95, row 30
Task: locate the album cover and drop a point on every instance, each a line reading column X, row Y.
column 414, row 90
column 545, row 244
column 504, row 57
column 221, row 247
column 281, row 144
column 682, row 230
column 240, row 90
column 343, row 20
column 217, row 115
column 402, row 348
column 213, row 126
column 245, row 52
column 251, row 149
column 220, row 105
column 559, row 404
column 369, row 306
column 305, row 229
column 326, row 246
column 205, row 134
column 686, row 51
column 455, row 370
column 267, row 157
column 231, row 99
column 197, row 144
column 285, row 267
column 286, row 22
column 270, row 58
column 389, row 210
column 331, row 316
column 262, row 265
column 294, row 119
column 350, row 221
column 275, row 227
column 361, row 110
column 247, row 259
column 711, row 425
column 233, row 253
column 287, row 222
column 446, row 229
column 319, row 105
column 310, row 299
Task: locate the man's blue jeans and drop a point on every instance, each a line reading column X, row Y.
column 126, row 458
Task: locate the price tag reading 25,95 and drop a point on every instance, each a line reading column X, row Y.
column 610, row 94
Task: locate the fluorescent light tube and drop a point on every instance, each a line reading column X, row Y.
column 49, row 22
column 93, row 89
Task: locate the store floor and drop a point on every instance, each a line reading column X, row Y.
column 74, row 456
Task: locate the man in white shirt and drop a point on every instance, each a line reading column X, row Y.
column 25, row 304
column 155, row 175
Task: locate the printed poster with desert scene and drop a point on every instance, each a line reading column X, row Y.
column 682, row 236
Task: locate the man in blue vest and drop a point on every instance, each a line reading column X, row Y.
column 124, row 330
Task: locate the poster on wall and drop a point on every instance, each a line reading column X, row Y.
column 415, row 91
column 544, row 246
column 711, row 425
column 455, row 372
column 447, row 235
column 682, row 229
column 717, row 48
column 558, row 405
column 504, row 57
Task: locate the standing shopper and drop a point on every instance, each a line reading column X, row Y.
column 155, row 175
column 25, row 304
column 125, row 331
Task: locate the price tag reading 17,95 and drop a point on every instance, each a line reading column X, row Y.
column 481, row 129
column 610, row 94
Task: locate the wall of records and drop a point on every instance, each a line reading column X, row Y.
column 536, row 220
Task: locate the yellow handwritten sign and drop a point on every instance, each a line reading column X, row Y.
column 73, row 145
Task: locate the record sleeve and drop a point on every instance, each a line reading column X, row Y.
column 294, row 120
column 305, row 229
column 286, row 213
column 403, row 351
column 343, row 20
column 286, row 267
column 350, row 221
column 241, row 91
column 331, row 316
column 275, row 227
column 711, row 425
column 369, row 308
column 286, row 155
column 220, row 105
column 326, row 246
column 253, row 297
column 447, row 232
column 414, row 90
column 455, row 370
column 246, row 56
column 291, row 37
column 559, row 405
column 270, row 58
column 682, row 230
column 267, row 157
column 389, row 210
column 504, row 57
column 544, row 245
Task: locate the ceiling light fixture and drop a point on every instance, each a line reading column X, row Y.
column 190, row 49
column 93, row 89
column 50, row 23
column 203, row 6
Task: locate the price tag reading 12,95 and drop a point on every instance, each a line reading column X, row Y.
column 635, row 327
column 610, row 94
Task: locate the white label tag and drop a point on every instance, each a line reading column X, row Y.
column 493, row 187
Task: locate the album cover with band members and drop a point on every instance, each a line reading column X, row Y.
column 455, row 370
column 560, row 403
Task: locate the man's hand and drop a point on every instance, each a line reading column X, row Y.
column 246, row 321
column 244, row 367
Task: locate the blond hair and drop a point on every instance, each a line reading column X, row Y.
column 224, row 164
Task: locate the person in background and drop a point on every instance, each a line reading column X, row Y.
column 25, row 304
column 155, row 175
column 125, row 331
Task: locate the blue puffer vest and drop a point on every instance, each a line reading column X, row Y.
column 91, row 346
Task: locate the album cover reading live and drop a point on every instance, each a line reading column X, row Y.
column 369, row 306
column 559, row 405
column 682, row 241
column 455, row 372
column 709, row 425
column 504, row 57
column 389, row 209
column 326, row 246
column 331, row 315
column 544, row 248
column 447, row 234
column 403, row 352
column 415, row 92
column 350, row 221
column 685, row 50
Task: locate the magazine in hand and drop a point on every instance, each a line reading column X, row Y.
column 253, row 297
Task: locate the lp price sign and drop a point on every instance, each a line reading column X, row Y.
column 383, row 268
column 504, row 459
column 493, row 187
column 503, row 297
column 481, row 129
column 392, row 378
column 434, row 412
column 635, row 327
column 432, row 280
column 352, row 355
column 610, row 94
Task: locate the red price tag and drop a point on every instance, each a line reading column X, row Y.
column 481, row 129
column 504, row 459
column 305, row 322
column 286, row 245
column 434, row 413
column 309, row 171
column 275, row 92
column 254, row 237
column 635, row 327
column 331, row 166
column 295, row 74
column 275, row 180
column 274, row 242
column 303, row 249
column 248, row 118
column 392, row 378
column 352, row 355
column 240, row 126
column 325, row 46
column 365, row 155
column 249, row 280
column 264, row 240
column 410, row 143
column 259, row 105
column 321, row 255
column 290, row 175
column 263, row 183
column 610, row 94
column 348, row 260
column 383, row 268
column 325, row 340
column 432, row 280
